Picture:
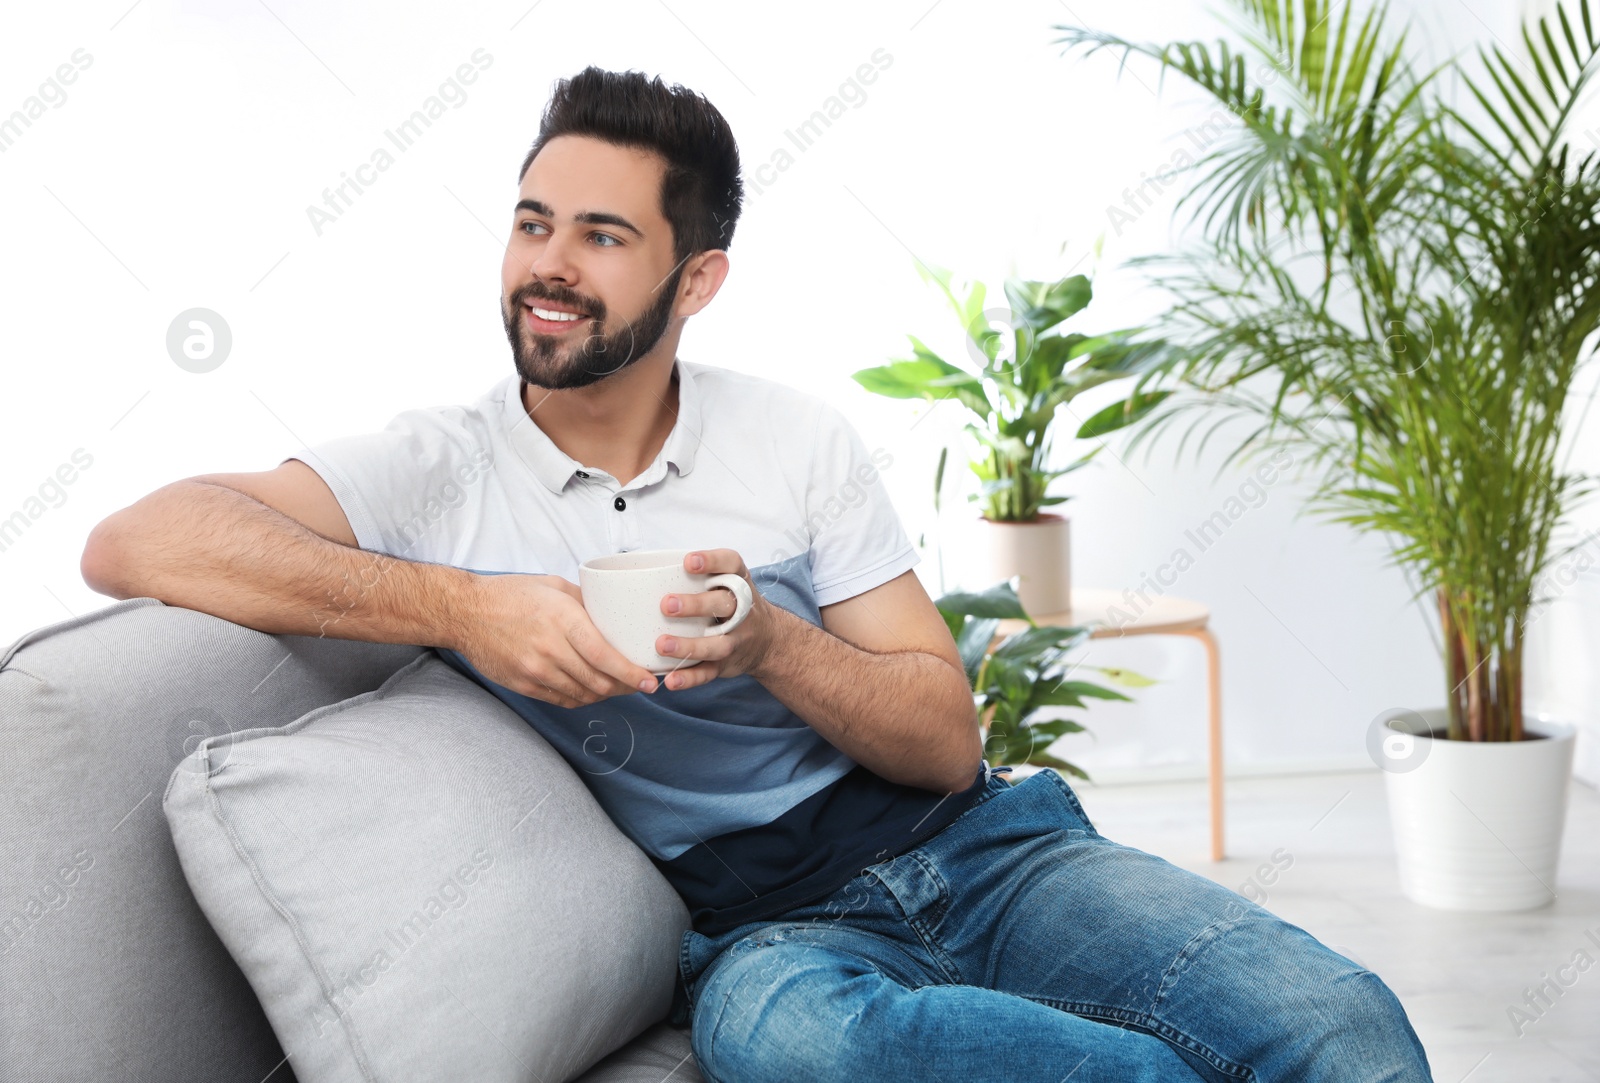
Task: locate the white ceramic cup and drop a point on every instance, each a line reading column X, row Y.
column 623, row 593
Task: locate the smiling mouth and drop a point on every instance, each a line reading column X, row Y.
column 553, row 322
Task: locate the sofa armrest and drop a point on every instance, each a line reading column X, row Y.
column 110, row 968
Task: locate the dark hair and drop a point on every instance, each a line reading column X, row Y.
column 700, row 190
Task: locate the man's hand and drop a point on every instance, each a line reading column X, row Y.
column 705, row 658
column 531, row 634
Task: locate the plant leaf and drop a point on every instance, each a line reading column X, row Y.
column 1122, row 414
column 998, row 601
column 1125, row 677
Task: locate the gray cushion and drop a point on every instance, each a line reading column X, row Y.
column 659, row 1055
column 418, row 886
column 108, row 969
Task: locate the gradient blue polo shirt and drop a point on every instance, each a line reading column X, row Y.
column 745, row 808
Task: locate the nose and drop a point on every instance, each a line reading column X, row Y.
column 552, row 261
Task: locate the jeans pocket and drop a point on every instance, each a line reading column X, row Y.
column 683, row 954
column 696, row 953
column 681, row 1011
column 1061, row 787
column 919, row 892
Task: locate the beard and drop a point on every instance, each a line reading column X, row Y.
column 554, row 363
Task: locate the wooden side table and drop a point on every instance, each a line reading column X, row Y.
column 1108, row 612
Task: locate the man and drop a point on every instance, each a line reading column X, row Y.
column 869, row 898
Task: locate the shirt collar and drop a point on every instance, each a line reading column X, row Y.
column 555, row 467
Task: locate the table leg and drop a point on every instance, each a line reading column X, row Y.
column 1214, row 770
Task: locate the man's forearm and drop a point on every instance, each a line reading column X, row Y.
column 209, row 548
column 907, row 716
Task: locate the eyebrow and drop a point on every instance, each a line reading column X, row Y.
column 592, row 218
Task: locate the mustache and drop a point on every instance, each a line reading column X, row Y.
column 537, row 292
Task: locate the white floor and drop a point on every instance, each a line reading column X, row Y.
column 1457, row 974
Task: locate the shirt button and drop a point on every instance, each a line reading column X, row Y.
column 583, row 473
column 619, row 503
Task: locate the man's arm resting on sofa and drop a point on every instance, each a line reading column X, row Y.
column 216, row 545
column 274, row 551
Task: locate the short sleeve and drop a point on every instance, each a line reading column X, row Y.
column 397, row 486
column 857, row 540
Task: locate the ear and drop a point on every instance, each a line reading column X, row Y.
column 702, row 277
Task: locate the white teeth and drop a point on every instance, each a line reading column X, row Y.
column 551, row 314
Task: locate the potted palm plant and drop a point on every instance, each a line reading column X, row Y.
column 1021, row 369
column 1403, row 294
column 1022, row 675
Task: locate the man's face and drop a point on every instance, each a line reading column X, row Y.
column 588, row 238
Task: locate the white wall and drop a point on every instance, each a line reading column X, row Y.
column 177, row 173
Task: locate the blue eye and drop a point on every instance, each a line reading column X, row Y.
column 613, row 242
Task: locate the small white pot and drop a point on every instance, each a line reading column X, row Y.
column 1477, row 824
column 1039, row 552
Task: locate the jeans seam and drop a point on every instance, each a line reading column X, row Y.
column 1065, row 789
column 1189, row 950
column 1147, row 1022
column 683, row 972
column 930, row 942
column 936, row 950
column 1172, row 1034
column 705, row 1071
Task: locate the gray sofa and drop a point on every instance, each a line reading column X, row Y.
column 109, row 968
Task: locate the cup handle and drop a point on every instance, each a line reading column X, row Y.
column 743, row 601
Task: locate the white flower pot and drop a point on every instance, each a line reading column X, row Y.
column 1477, row 824
column 1039, row 552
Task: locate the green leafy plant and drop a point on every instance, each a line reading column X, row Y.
column 1018, row 375
column 1399, row 293
column 1023, row 674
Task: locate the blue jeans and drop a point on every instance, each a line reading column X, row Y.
column 1018, row 944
